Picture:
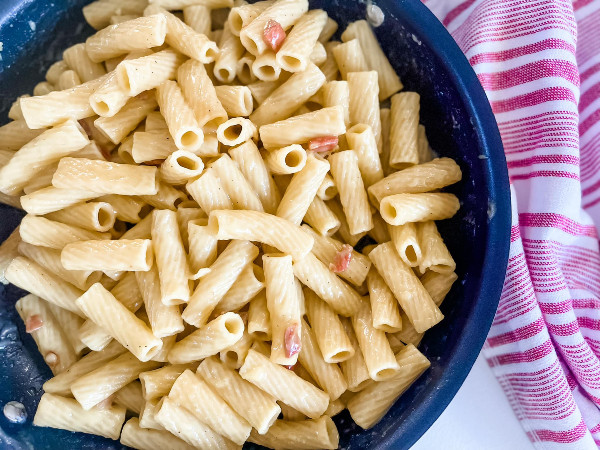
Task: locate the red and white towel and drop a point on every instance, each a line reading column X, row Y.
column 539, row 62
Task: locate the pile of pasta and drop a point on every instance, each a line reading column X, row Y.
column 195, row 182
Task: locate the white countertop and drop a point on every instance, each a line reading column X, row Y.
column 478, row 417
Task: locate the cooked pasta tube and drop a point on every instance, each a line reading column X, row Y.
column 194, row 394
column 329, row 67
column 353, row 196
column 404, row 122
column 30, row 276
column 9, row 250
column 376, row 59
column 127, row 292
column 99, row 13
column 47, row 233
column 261, row 227
column 425, row 153
column 254, row 169
column 374, row 346
column 213, row 287
column 262, row 89
column 55, row 71
column 354, row 369
column 414, row 299
column 40, row 153
column 234, row 356
column 148, row 72
column 328, row 376
column 198, row 18
column 126, row 208
column 301, row 129
column 284, row 385
column 137, row 34
column 157, row 383
column 315, row 275
column 289, row 96
column 105, row 177
column 362, row 140
column 438, row 284
column 429, row 176
column 302, row 189
column 184, row 38
column 200, row 94
column 284, row 308
column 187, row 214
column 182, row 423
column 167, row 197
column 254, row 405
column 181, row 4
column 65, row 413
column 321, row 218
column 134, row 436
column 333, row 341
column 407, row 243
column 183, row 126
column 265, row 67
column 131, row 397
column 101, row 383
column 231, row 52
column 259, row 320
column 235, row 184
column 243, row 69
column 155, row 121
column 318, row 55
column 346, row 262
column 209, row 340
column 202, row 249
column 61, row 383
column 328, row 189
column 248, row 284
column 364, row 105
column 237, row 100
column 77, row 58
column 350, row 58
column 43, row 88
column 294, row 54
column 209, row 192
column 399, row 209
column 152, row 145
column 117, row 255
column 236, row 131
column 94, row 216
column 384, row 306
column 337, row 93
column 56, row 107
column 165, row 320
column 286, row 160
column 243, row 14
column 147, row 416
column 171, row 259
column 370, row 405
column 436, row 256
column 106, row 311
column 300, row 434
column 50, row 338
column 117, row 127
column 68, row 79
column 180, row 166
column 285, row 12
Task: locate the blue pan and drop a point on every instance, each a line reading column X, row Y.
column 459, row 123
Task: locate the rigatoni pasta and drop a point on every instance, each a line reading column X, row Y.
column 148, row 253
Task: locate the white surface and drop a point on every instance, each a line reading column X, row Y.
column 479, row 417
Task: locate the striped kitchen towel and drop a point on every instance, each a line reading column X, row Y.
column 539, row 62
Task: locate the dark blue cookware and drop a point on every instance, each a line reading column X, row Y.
column 459, row 124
